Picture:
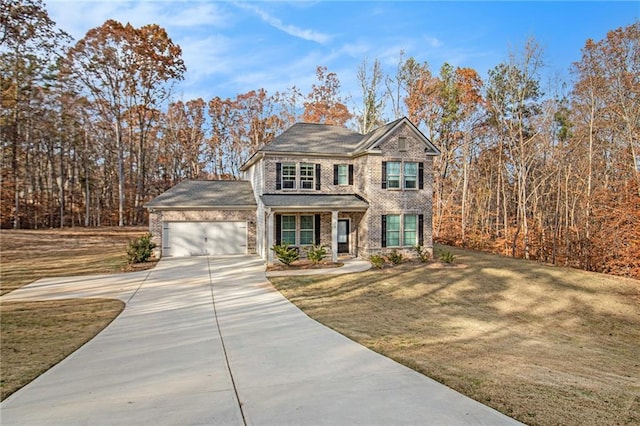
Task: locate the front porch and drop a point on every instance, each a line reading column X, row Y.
column 332, row 221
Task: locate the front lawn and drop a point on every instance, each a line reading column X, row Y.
column 542, row 344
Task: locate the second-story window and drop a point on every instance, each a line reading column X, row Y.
column 393, row 174
column 288, row 176
column 402, row 175
column 410, row 175
column 307, row 175
column 343, row 174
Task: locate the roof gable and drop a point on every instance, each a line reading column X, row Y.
column 206, row 194
column 379, row 135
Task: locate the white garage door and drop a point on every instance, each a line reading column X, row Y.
column 204, row 238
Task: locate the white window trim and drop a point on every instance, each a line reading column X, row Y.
column 313, row 176
column 298, row 229
column 346, row 174
column 295, row 176
column 401, row 239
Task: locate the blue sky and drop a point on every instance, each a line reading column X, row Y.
column 232, row 47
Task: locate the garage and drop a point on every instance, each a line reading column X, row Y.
column 204, row 238
column 204, row 218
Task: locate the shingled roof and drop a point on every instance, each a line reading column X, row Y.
column 205, row 194
column 315, row 202
column 316, row 139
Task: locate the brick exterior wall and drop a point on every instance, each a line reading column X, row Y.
column 366, row 228
column 394, row 201
column 157, row 217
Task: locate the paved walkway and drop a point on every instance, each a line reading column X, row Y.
column 209, row 341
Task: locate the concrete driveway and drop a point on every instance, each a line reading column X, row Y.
column 206, row 341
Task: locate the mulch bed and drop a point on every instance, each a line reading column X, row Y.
column 303, row 264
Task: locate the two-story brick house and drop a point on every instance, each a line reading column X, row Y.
column 314, row 184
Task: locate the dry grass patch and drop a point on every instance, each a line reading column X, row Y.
column 28, row 255
column 37, row 335
column 542, row 344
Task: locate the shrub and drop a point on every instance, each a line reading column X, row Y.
column 316, row 253
column 140, row 249
column 377, row 261
column 285, row 253
column 396, row 257
column 447, row 257
column 423, row 253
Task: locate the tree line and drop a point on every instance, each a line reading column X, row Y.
column 548, row 171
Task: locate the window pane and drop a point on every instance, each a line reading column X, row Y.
column 288, row 234
column 393, row 174
column 289, row 176
column 289, row 237
column 306, row 237
column 410, row 175
column 307, row 175
column 393, row 230
column 343, row 174
column 393, row 222
column 306, row 222
column 307, row 233
column 289, row 222
column 410, row 226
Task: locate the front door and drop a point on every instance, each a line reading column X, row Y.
column 343, row 235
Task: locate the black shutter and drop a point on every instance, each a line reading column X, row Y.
column 384, row 230
column 420, row 175
column 384, row 175
column 278, row 220
column 335, row 174
column 350, row 174
column 278, row 175
column 420, row 229
column 317, row 177
column 317, row 228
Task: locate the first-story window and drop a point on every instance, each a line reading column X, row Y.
column 410, row 230
column 393, row 230
column 307, row 174
column 402, row 230
column 298, row 230
column 289, row 176
column 307, row 232
column 288, row 230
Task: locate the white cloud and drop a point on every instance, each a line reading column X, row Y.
column 292, row 30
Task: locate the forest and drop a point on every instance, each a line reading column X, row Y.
column 90, row 130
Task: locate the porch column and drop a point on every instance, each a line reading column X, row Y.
column 269, row 239
column 334, row 236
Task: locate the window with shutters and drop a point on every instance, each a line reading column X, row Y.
column 307, row 175
column 288, row 176
column 402, row 230
column 402, row 175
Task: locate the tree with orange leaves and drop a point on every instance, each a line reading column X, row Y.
column 324, row 104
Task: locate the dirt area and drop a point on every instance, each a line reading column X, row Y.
column 544, row 345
